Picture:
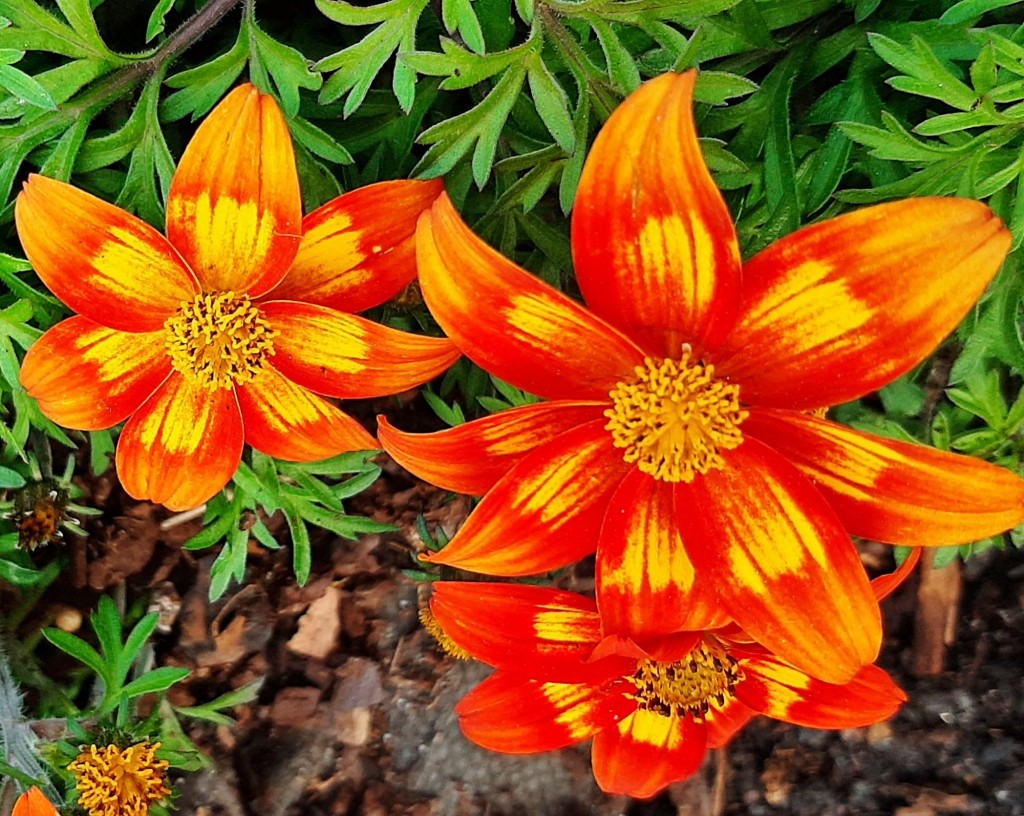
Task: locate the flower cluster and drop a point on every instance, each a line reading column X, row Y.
column 681, row 435
column 114, row 781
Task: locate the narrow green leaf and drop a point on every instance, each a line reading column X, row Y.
column 156, row 18
column 78, row 649
column 968, row 11
column 159, row 679
column 552, row 102
column 25, row 88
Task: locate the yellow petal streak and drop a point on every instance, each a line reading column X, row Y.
column 561, row 625
column 689, row 686
column 572, row 702
column 219, row 339
column 228, row 235
column 662, row 241
column 674, row 418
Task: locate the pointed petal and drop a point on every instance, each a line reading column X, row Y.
column 341, row 355
column 33, row 802
column 359, row 249
column 838, row 309
column 544, row 513
column 653, row 243
column 725, row 722
column 234, row 211
column 286, row 421
column 646, row 752
column 536, row 631
column 101, row 261
column 787, row 694
column 784, row 568
column 892, row 491
column 515, row 715
column 88, row 377
column 512, row 324
column 470, row 458
column 884, row 585
column 182, row 446
column 645, row 582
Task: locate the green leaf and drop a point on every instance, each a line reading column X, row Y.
column 620, row 63
column 968, row 11
column 288, row 68
column 156, row 18
column 159, row 679
column 25, row 88
column 319, row 142
column 458, row 16
column 302, row 554
column 202, row 87
column 78, row 649
column 551, row 101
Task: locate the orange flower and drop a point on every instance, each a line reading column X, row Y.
column 33, row 802
column 676, row 438
column 225, row 331
column 652, row 707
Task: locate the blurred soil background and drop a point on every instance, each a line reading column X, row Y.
column 355, row 714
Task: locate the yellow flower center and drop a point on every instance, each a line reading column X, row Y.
column 687, row 686
column 675, row 418
column 219, row 339
column 116, row 782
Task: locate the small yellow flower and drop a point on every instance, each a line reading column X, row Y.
column 113, row 781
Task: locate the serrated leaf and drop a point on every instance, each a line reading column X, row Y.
column 202, row 87
column 552, row 102
column 289, row 69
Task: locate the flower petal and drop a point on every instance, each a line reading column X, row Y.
column 182, row 446
column 515, row 715
column 234, row 211
column 884, row 585
column 780, row 691
column 471, row 457
column 33, row 802
column 653, row 243
column 88, row 377
column 646, row 752
column 544, row 513
column 783, row 567
column 101, row 261
column 645, row 582
column 725, row 721
column 539, row 632
column 512, row 324
column 892, row 491
column 286, row 421
column 838, row 309
column 359, row 249
column 342, row 355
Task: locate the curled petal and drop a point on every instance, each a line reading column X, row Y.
column 783, row 566
column 286, row 421
column 884, row 585
column 33, row 802
column 838, row 309
column 653, row 243
column 359, row 249
column 646, row 752
column 539, row 632
column 182, row 446
column 780, row 691
column 88, row 377
column 545, row 512
column 646, row 585
column 101, row 261
column 341, row 355
column 509, row 322
column 725, row 721
column 892, row 491
column 515, row 715
column 470, row 458
column 234, row 211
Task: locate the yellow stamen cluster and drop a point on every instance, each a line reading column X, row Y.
column 819, row 413
column 675, row 418
column 219, row 339
column 113, row 781
column 448, row 646
column 687, row 686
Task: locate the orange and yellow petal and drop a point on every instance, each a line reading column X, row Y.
column 726, row 721
column 88, row 377
column 783, row 566
column 646, row 752
column 470, row 458
column 653, row 242
column 509, row 322
column 512, row 714
column 780, row 691
column 182, row 446
column 286, row 421
column 537, row 631
column 342, row 355
column 359, row 249
column 891, row 491
column 33, row 802
column 543, row 514
column 646, row 585
column 102, row 261
column 838, row 309
column 884, row 585
column 234, row 210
